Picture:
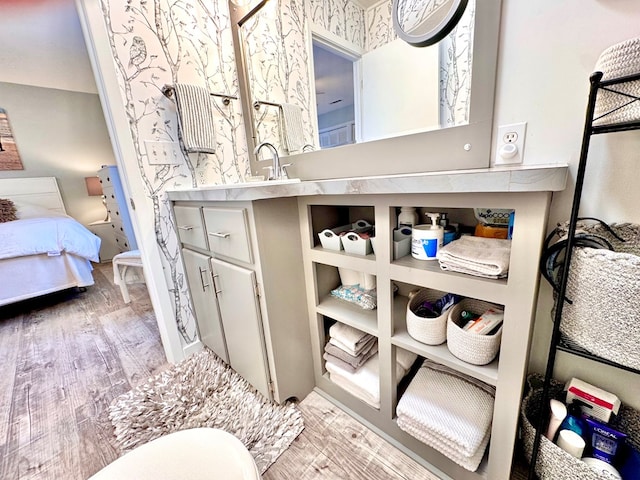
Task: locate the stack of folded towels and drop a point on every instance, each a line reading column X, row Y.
column 352, row 362
column 479, row 256
column 448, row 411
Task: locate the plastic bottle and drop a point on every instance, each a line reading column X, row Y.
column 426, row 240
column 408, row 217
column 449, row 230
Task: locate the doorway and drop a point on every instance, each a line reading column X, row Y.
column 336, row 95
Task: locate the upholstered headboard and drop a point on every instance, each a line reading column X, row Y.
column 41, row 191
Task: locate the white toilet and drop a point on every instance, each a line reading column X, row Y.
column 195, row 454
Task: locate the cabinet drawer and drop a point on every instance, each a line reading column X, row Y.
column 227, row 232
column 189, row 225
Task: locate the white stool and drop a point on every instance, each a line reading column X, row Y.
column 194, row 454
column 121, row 264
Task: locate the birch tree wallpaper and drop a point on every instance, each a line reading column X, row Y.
column 162, row 42
column 165, row 42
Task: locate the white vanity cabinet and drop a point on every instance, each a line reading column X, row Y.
column 387, row 322
column 247, row 289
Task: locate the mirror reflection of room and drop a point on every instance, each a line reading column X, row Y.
column 399, row 89
column 334, row 83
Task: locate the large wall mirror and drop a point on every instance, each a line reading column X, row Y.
column 404, row 109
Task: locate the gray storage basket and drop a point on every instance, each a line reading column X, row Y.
column 604, row 286
column 619, row 60
column 553, row 463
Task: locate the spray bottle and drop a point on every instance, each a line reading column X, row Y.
column 426, row 240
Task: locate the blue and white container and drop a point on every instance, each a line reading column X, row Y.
column 426, row 240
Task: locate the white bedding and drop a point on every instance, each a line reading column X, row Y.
column 39, row 231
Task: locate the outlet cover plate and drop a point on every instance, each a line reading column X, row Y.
column 163, row 153
column 514, row 133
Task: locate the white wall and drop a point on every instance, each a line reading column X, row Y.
column 48, row 90
column 548, row 49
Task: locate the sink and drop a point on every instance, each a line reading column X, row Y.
column 263, row 183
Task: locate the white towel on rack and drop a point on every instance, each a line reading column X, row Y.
column 448, row 407
column 293, row 129
column 483, row 257
column 195, row 118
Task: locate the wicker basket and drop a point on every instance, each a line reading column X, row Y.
column 552, row 462
column 471, row 347
column 619, row 60
column 604, row 287
column 432, row 331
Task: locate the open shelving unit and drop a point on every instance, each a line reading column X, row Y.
column 517, row 293
column 593, row 126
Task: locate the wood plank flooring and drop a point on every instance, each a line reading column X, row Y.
column 65, row 357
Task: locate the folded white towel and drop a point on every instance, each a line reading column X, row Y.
column 414, row 429
column 366, row 380
column 350, row 339
column 293, row 130
column 484, row 257
column 354, row 390
column 195, row 118
column 449, row 407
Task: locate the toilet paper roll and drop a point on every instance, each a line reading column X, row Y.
column 571, row 442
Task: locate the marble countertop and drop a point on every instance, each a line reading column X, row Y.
column 533, row 178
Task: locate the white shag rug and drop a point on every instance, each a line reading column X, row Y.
column 202, row 391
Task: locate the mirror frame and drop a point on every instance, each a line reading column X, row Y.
column 452, row 148
column 435, row 34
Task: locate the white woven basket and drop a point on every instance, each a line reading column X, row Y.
column 604, row 287
column 471, row 347
column 431, row 331
column 619, row 60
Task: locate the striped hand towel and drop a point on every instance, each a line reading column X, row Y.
column 293, row 132
column 195, row 118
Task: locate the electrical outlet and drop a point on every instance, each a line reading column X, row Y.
column 510, row 144
column 163, row 153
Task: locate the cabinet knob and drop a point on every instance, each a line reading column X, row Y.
column 219, row 234
column 185, row 227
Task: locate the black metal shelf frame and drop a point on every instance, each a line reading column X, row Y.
column 556, row 344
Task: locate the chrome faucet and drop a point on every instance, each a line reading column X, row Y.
column 278, row 171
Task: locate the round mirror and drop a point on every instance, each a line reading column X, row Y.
column 424, row 22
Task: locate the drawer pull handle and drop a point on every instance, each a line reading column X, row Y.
column 215, row 288
column 185, row 227
column 219, row 235
column 204, row 285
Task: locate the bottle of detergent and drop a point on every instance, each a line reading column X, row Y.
column 427, row 239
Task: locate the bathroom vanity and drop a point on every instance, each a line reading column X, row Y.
column 276, row 250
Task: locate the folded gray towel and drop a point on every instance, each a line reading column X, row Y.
column 368, row 349
column 195, row 118
column 346, row 361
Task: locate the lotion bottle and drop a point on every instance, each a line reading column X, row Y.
column 426, row 240
column 408, row 217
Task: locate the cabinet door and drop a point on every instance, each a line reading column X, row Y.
column 239, row 309
column 204, row 302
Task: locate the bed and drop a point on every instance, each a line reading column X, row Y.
column 44, row 250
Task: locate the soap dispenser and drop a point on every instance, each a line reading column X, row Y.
column 426, row 240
